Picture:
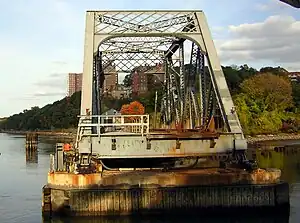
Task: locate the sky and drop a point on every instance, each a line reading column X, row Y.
column 42, row 41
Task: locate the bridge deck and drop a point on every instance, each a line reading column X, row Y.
column 163, row 134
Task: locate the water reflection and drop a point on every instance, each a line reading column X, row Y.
column 286, row 159
column 23, row 204
column 178, row 219
column 47, row 145
column 31, row 156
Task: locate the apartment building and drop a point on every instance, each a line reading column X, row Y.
column 141, row 78
column 110, row 81
column 74, row 83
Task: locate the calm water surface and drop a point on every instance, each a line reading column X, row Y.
column 22, row 178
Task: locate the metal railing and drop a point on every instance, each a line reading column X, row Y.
column 102, row 124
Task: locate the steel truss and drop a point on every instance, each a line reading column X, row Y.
column 184, row 105
column 195, row 90
column 131, row 39
column 144, row 53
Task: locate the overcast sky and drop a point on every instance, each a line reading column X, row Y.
column 42, row 40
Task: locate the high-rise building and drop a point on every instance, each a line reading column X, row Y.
column 110, row 82
column 139, row 82
column 74, row 83
column 145, row 77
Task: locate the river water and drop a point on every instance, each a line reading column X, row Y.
column 23, row 176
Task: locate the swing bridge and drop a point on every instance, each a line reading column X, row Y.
column 197, row 116
column 128, row 164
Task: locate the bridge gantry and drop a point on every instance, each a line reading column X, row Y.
column 198, row 117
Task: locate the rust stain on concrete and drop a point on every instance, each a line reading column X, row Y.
column 190, row 177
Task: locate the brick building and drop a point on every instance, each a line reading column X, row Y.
column 141, row 80
column 74, row 83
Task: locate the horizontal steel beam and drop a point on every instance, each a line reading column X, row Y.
column 142, row 146
column 145, row 11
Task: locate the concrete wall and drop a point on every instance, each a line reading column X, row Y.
column 109, row 201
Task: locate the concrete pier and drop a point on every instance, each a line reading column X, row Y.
column 156, row 192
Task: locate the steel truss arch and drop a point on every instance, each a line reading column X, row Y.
column 195, row 89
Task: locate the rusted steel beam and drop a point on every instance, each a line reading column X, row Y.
column 183, row 136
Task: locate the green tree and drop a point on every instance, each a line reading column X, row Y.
column 127, row 82
column 296, row 93
column 245, row 71
column 60, row 114
column 236, row 75
column 262, row 103
column 270, row 91
column 274, row 70
column 233, row 78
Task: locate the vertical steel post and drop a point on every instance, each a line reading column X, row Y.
column 155, row 110
column 182, row 80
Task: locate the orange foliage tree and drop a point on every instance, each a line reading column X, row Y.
column 124, row 109
column 134, row 108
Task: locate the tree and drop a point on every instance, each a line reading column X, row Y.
column 134, row 108
column 254, row 119
column 245, row 72
column 270, row 91
column 127, row 82
column 236, row 75
column 279, row 71
column 232, row 78
column 263, row 100
column 274, row 70
column 296, row 93
column 60, row 114
column 125, row 109
column 262, row 103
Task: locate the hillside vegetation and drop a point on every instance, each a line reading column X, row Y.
column 59, row 115
column 266, row 101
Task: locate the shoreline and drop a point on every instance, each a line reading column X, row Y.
column 58, row 134
column 273, row 137
column 250, row 139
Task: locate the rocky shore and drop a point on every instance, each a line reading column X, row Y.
column 275, row 137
